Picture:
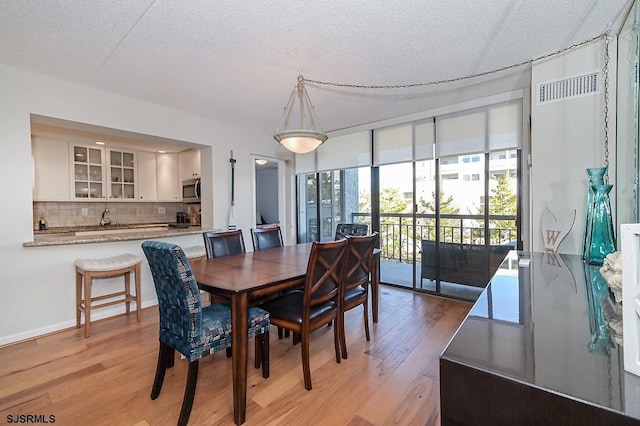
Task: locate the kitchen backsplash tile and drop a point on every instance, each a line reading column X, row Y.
column 70, row 213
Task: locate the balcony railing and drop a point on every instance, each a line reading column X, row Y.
column 397, row 231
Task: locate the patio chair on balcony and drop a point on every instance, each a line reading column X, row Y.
column 468, row 264
column 351, row 229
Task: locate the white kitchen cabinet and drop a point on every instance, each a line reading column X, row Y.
column 87, row 172
column 51, row 170
column 146, row 170
column 74, row 171
column 167, row 177
column 189, row 164
column 122, row 175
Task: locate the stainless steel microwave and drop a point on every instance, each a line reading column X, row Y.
column 191, row 191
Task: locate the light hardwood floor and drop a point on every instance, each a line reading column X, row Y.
column 106, row 379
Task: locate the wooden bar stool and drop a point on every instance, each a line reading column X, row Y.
column 122, row 265
column 195, row 253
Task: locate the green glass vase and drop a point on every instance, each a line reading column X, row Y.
column 602, row 240
column 597, row 294
column 596, row 177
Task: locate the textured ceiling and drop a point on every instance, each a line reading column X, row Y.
column 238, row 61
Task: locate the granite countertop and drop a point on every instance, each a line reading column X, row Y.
column 96, row 234
column 83, row 228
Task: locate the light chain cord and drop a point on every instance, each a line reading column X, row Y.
column 451, row 80
column 606, row 108
column 635, row 118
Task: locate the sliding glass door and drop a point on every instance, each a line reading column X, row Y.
column 427, row 219
column 476, row 211
column 308, row 208
column 458, row 231
column 443, row 194
column 404, row 157
column 344, row 195
column 397, row 223
column 330, row 203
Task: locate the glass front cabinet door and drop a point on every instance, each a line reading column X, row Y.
column 102, row 174
column 88, row 173
column 122, row 175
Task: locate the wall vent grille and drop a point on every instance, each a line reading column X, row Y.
column 568, row 88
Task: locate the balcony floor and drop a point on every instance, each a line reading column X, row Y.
column 400, row 274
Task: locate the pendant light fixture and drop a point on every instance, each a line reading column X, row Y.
column 300, row 132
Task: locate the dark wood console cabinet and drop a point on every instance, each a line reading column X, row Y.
column 535, row 350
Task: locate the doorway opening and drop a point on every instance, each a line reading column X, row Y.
column 268, row 192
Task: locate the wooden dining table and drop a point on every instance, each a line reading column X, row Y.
column 246, row 276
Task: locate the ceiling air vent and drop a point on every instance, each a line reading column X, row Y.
column 568, row 88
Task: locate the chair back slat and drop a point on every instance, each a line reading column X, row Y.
column 264, row 238
column 218, row 244
column 324, row 272
column 359, row 260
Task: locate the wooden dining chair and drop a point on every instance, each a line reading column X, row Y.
column 303, row 312
column 354, row 286
column 226, row 243
column 264, row 238
column 187, row 327
column 218, row 244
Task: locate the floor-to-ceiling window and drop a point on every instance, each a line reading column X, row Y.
column 445, row 197
column 307, row 195
column 331, row 197
column 403, row 155
column 334, row 186
column 426, row 207
column 396, row 220
column 344, row 195
column 478, row 165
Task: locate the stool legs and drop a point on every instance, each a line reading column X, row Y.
column 84, row 282
column 88, row 277
column 78, row 298
column 127, row 291
column 138, row 298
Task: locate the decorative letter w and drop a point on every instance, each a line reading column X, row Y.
column 552, row 236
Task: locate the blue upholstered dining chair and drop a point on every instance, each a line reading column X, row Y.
column 186, row 326
column 350, row 229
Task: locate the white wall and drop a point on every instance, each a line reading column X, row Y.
column 567, row 137
column 627, row 107
column 37, row 284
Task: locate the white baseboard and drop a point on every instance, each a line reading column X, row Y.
column 98, row 314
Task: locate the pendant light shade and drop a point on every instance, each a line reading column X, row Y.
column 298, row 129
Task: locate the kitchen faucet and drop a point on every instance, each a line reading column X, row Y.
column 105, row 220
